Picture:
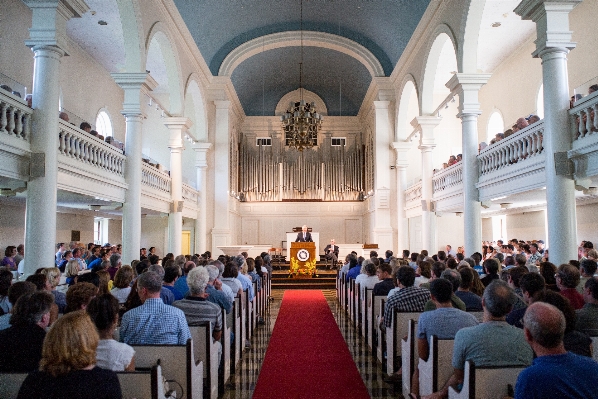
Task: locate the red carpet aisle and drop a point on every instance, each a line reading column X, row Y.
column 307, row 356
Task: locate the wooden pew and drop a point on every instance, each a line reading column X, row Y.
column 225, row 360
column 379, row 303
column 234, row 322
column 595, row 348
column 338, row 286
column 10, row 383
column 351, row 299
column 366, row 297
column 243, row 312
column 178, row 363
column 408, row 355
column 397, row 331
column 435, row 372
column 358, row 308
column 143, row 384
column 249, row 311
column 207, row 352
column 487, row 382
column 372, row 320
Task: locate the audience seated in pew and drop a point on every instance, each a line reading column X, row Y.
column 367, row 278
column 587, row 317
column 386, row 282
column 473, row 303
column 492, row 343
column 554, row 373
column 21, row 343
column 214, row 290
column 454, row 278
column 153, row 322
column 111, row 355
column 220, row 286
column 181, row 283
column 67, row 367
column 15, row 291
column 229, row 278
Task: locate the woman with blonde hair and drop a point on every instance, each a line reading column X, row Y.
column 68, row 365
column 53, row 276
column 72, row 271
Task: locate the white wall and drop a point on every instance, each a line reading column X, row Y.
column 450, row 231
column 526, row 226
column 587, row 220
column 154, row 233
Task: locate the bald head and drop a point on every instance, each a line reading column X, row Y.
column 545, row 323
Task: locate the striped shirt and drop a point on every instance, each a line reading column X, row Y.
column 154, row 323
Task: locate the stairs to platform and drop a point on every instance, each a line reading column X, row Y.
column 325, row 280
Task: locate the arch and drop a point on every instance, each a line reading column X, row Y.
column 104, row 123
column 433, row 77
column 467, row 53
column 163, row 63
column 130, row 18
column 496, row 124
column 407, row 108
column 308, row 96
column 195, row 108
column 293, row 39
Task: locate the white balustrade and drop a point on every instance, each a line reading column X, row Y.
column 414, row 193
column 15, row 116
column 154, row 178
column 82, row 146
column 190, row 194
column 449, row 177
column 524, row 144
column 584, row 118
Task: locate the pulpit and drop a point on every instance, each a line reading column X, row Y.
column 303, row 259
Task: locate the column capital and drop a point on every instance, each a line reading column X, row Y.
column 378, row 104
column 222, row 104
column 402, row 149
column 467, row 87
column 552, row 23
column 49, row 20
column 426, row 124
column 201, row 154
column 133, row 84
column 177, row 125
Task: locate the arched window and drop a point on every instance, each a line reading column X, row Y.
column 495, row 125
column 103, row 124
column 540, row 102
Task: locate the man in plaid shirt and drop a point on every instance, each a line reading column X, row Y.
column 408, row 298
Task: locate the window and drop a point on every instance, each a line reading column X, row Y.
column 263, row 141
column 338, row 141
column 103, row 124
column 100, row 231
column 495, row 125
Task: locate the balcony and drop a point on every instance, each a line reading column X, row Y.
column 584, row 128
column 447, row 186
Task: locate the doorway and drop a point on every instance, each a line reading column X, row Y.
column 186, row 243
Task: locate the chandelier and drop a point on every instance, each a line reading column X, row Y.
column 301, row 123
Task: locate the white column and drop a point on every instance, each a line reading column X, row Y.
column 132, row 84
column 177, row 126
column 201, row 165
column 49, row 44
column 402, row 162
column 552, row 46
column 426, row 146
column 221, row 231
column 467, row 87
column 382, row 230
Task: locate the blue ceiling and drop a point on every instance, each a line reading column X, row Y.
column 384, row 27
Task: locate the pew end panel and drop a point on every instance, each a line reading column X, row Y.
column 487, row 382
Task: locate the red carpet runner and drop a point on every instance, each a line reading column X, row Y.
column 307, row 356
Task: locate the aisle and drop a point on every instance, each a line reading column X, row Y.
column 307, row 356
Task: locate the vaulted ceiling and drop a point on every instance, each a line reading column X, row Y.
column 382, row 27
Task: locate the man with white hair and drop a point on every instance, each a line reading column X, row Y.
column 245, row 281
column 196, row 306
column 214, row 290
column 223, row 287
column 304, row 236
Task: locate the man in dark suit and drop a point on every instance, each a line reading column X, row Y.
column 304, row 236
column 331, row 252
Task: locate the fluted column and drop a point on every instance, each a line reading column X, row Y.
column 221, row 231
column 426, row 146
column 49, row 44
column 553, row 43
column 201, row 165
column 467, row 87
column 132, row 85
column 402, row 162
column 177, row 126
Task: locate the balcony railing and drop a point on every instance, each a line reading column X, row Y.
column 414, row 193
column 154, row 178
column 189, row 193
column 77, row 144
column 584, row 118
column 524, row 144
column 15, row 116
column 447, row 178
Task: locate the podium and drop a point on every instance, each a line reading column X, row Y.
column 303, row 259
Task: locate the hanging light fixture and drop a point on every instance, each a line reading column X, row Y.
column 301, row 123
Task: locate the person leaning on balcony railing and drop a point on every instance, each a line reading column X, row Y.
column 64, row 116
column 85, row 126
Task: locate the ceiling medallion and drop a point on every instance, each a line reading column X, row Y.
column 301, row 123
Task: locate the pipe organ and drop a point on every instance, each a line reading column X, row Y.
column 324, row 173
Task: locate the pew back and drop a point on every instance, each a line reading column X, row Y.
column 434, row 372
column 10, row 383
column 487, row 382
column 142, row 384
column 397, row 331
column 205, row 351
column 408, row 356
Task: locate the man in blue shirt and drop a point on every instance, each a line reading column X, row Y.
column 153, row 323
column 555, row 373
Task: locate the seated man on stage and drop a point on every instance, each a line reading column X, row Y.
column 304, row 236
column 331, row 253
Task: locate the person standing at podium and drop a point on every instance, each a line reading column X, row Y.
column 304, row 236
